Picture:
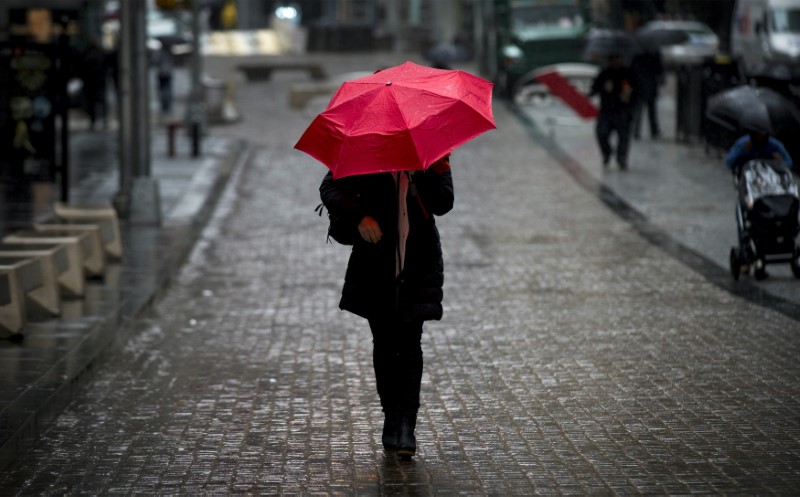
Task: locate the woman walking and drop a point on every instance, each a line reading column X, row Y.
column 394, row 278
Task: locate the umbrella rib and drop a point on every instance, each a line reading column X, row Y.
column 405, row 123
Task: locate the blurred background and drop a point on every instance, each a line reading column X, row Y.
column 71, row 66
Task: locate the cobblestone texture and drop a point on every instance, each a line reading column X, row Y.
column 574, row 357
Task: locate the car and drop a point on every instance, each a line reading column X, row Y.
column 699, row 41
column 172, row 28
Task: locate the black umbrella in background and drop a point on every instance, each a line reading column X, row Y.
column 653, row 37
column 747, row 107
column 445, row 53
column 777, row 76
column 602, row 43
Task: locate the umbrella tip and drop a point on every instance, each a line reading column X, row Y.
column 388, row 83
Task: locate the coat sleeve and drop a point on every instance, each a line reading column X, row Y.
column 341, row 199
column 781, row 150
column 734, row 158
column 597, row 84
column 436, row 191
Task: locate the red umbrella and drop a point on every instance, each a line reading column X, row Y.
column 399, row 119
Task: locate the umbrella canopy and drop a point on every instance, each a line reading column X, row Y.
column 654, row 37
column 400, row 119
column 601, row 43
column 446, row 52
column 774, row 72
column 746, row 107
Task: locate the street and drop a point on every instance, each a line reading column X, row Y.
column 574, row 356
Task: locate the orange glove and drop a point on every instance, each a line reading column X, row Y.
column 369, row 230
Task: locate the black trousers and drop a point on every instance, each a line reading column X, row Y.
column 397, row 359
column 609, row 122
column 165, row 93
column 650, row 105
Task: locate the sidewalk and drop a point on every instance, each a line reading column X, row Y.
column 575, row 357
column 680, row 192
column 42, row 373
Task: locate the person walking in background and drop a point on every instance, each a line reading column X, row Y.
column 112, row 65
column 165, row 67
column 394, row 278
column 648, row 68
column 615, row 85
column 93, row 75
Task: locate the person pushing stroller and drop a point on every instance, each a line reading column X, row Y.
column 756, row 144
column 767, row 207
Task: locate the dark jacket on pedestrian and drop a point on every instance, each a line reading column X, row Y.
column 649, row 71
column 93, row 72
column 615, row 85
column 371, row 288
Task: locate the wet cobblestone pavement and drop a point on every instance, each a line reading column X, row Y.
column 574, row 357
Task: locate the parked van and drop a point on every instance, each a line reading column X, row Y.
column 521, row 36
column 766, row 32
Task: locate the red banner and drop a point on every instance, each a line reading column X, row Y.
column 563, row 89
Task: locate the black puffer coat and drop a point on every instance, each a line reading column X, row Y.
column 370, row 286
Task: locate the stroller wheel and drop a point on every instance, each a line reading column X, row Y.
column 760, row 271
column 735, row 264
column 796, row 262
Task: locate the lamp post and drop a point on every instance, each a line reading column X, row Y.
column 197, row 111
column 138, row 197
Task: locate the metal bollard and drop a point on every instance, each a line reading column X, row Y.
column 172, row 128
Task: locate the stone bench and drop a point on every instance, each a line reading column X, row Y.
column 5, row 290
column 93, row 264
column 103, row 216
column 300, row 94
column 303, row 92
column 55, row 263
column 24, row 276
column 97, row 261
column 77, row 246
column 262, row 71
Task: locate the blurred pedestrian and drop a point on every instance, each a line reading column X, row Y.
column 394, row 278
column 648, row 68
column 112, row 65
column 93, row 75
column 615, row 85
column 756, row 144
column 165, row 67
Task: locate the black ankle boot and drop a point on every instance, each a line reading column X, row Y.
column 407, row 443
column 391, row 430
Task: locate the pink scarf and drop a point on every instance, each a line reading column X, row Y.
column 401, row 180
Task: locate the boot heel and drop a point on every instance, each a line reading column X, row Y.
column 407, row 442
column 391, row 431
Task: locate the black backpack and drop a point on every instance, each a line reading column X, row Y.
column 338, row 229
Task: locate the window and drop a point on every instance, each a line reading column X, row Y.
column 786, row 21
column 550, row 16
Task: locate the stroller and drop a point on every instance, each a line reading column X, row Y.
column 766, row 218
